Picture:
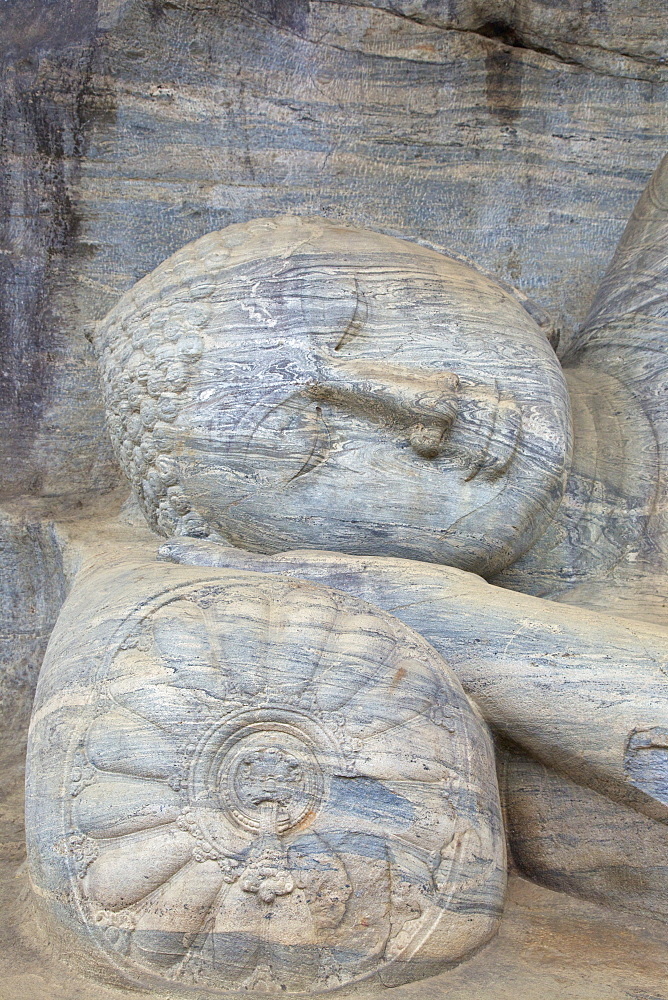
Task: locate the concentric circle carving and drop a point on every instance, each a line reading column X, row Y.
column 263, row 763
column 265, row 782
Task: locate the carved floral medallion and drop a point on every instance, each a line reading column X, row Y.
column 275, row 787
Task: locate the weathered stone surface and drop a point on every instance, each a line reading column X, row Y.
column 603, row 549
column 549, row 946
column 298, row 382
column 52, row 432
column 213, row 751
column 265, row 356
column 573, row 688
column 32, row 589
column 568, row 836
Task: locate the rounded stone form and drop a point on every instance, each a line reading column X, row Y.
column 263, row 785
column 298, row 383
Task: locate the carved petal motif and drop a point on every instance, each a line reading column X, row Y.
column 271, row 798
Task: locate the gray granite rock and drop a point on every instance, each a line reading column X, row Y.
column 294, row 382
column 519, row 135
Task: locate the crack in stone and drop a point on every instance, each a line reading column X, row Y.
column 504, row 35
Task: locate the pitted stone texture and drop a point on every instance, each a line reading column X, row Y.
column 260, row 785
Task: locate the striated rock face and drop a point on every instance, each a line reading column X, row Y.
column 239, row 781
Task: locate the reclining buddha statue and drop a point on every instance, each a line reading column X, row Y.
column 261, row 761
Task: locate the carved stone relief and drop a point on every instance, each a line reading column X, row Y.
column 243, row 781
column 241, row 777
column 263, row 785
